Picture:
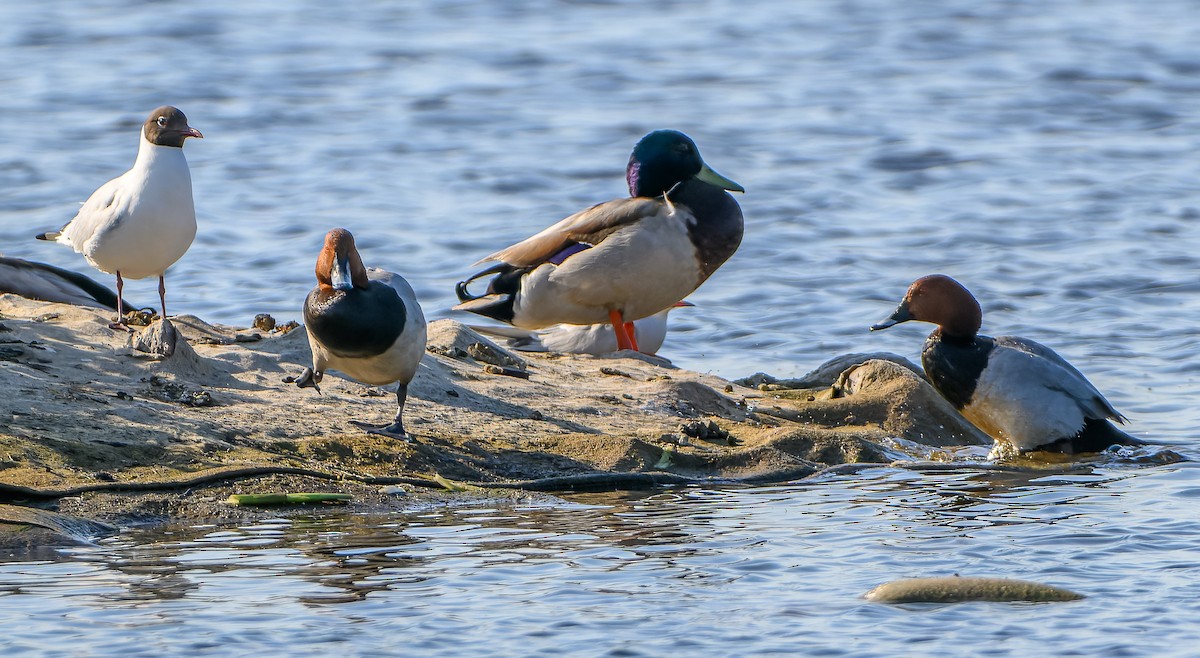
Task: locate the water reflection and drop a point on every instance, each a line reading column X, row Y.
column 349, row 557
column 879, row 140
column 567, row 575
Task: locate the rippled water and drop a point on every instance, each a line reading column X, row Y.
column 1042, row 153
column 745, row 572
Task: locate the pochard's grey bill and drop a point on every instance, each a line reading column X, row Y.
column 713, row 178
column 340, row 277
column 901, row 314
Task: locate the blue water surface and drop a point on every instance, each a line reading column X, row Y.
column 748, row 572
column 1042, row 153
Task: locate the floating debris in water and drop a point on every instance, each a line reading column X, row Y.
column 956, row 589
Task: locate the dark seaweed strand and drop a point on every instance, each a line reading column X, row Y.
column 594, row 481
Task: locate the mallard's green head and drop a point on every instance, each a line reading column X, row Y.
column 665, row 158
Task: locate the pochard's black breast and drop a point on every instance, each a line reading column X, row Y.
column 954, row 365
column 357, row 322
column 717, row 232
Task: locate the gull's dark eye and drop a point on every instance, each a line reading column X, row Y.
column 162, row 122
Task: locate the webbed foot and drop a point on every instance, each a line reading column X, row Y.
column 395, row 430
column 307, row 379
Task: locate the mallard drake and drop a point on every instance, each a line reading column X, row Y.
column 139, row 223
column 363, row 322
column 622, row 260
column 1018, row 391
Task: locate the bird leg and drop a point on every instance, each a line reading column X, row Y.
column 629, row 329
column 307, row 379
column 396, row 429
column 162, row 295
column 120, row 323
column 625, row 339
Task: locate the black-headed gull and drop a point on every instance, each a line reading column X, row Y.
column 363, row 322
column 139, row 223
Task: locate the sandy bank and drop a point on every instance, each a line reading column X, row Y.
column 81, row 408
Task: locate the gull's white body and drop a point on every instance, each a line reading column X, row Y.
column 141, row 222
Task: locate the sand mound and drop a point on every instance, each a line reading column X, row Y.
column 83, row 406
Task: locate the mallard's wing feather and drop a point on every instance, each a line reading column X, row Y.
column 589, row 226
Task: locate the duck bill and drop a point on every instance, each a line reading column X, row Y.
column 713, row 178
column 340, row 276
column 901, row 314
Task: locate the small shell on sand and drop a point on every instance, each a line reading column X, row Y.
column 954, row 589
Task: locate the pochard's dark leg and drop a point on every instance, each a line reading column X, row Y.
column 307, row 379
column 396, row 429
column 397, row 426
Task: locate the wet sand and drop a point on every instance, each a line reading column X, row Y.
column 105, row 431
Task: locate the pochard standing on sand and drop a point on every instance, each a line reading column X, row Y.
column 625, row 259
column 139, row 223
column 365, row 323
column 1019, row 392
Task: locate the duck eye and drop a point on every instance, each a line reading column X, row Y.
column 162, row 122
